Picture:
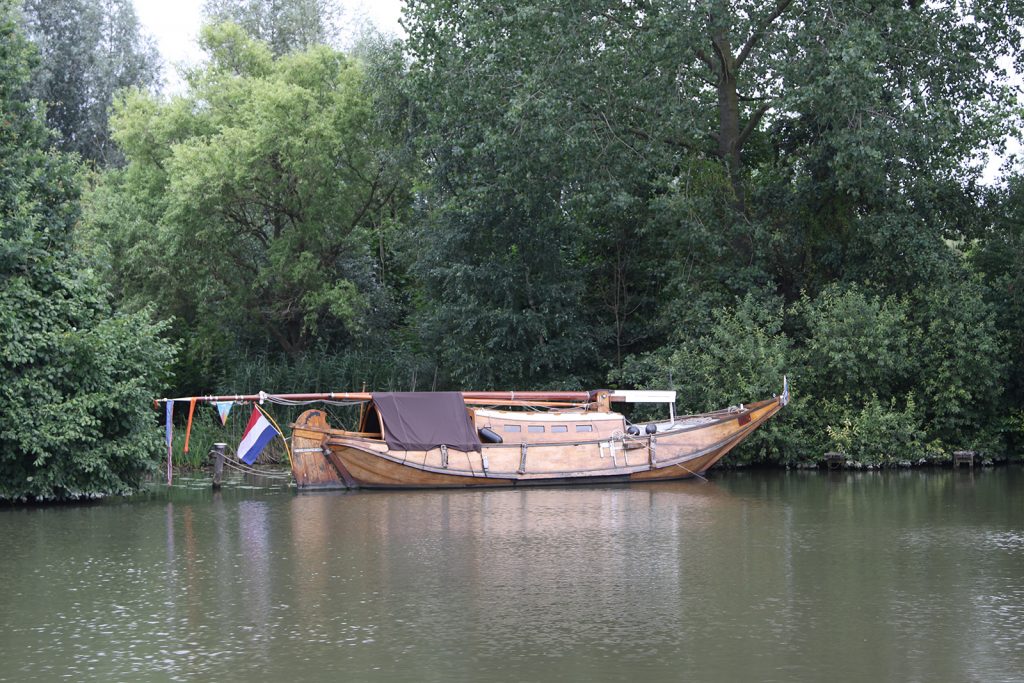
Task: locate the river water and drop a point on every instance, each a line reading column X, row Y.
column 752, row 576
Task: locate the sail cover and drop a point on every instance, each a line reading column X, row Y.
column 419, row 421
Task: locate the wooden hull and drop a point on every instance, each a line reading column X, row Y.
column 327, row 458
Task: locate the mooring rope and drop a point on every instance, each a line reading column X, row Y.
column 245, row 469
column 696, row 474
column 231, row 460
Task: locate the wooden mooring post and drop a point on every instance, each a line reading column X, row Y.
column 218, row 463
column 834, row 460
column 962, row 457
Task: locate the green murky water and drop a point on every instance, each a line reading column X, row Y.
column 759, row 576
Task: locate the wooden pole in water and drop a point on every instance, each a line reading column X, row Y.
column 218, row 463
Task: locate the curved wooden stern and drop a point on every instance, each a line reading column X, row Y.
column 310, row 466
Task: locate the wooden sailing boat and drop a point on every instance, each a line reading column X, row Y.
column 453, row 439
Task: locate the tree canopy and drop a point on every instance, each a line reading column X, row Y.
column 283, row 25
column 88, row 50
column 261, row 202
column 75, row 376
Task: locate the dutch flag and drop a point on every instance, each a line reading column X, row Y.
column 258, row 434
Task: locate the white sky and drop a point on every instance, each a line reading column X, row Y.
column 175, row 26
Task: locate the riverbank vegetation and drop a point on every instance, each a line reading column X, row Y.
column 699, row 196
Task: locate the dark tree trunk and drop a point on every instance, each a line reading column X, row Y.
column 725, row 67
column 729, row 142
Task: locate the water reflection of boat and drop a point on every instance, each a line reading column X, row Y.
column 468, row 439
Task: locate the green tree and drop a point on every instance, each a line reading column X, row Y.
column 284, row 25
column 996, row 252
column 89, row 49
column 75, row 377
column 542, row 251
column 636, row 120
column 859, row 119
column 258, row 208
column 856, row 345
column 963, row 364
column 874, row 151
column 743, row 356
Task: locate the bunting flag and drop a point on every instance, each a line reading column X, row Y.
column 223, row 408
column 169, row 436
column 258, row 434
column 188, row 427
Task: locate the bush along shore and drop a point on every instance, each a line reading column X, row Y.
column 831, row 461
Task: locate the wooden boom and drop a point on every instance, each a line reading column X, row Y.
column 472, row 397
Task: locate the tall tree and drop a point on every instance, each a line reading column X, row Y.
column 89, row 49
column 874, row 142
column 75, row 377
column 257, row 207
column 285, row 25
column 673, row 155
column 579, row 109
column 997, row 253
column 859, row 119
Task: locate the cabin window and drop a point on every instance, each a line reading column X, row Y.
column 559, row 428
column 584, row 428
column 513, row 428
column 535, row 428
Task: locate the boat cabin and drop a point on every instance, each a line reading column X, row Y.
column 445, row 417
column 518, row 426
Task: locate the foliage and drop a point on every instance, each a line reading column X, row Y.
column 963, row 367
column 743, row 356
column 75, row 377
column 284, row 25
column 997, row 254
column 77, row 386
column 874, row 153
column 876, row 433
column 602, row 127
column 256, row 207
column 856, row 344
column 528, row 194
column 89, row 49
column 857, row 362
column 317, row 370
column 542, row 252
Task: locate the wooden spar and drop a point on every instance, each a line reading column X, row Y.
column 501, row 396
column 517, row 402
column 544, row 399
column 249, row 398
column 474, row 397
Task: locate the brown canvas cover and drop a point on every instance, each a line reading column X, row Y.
column 419, row 421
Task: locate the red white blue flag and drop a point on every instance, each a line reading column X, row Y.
column 258, row 434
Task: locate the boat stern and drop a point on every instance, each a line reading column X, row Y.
column 310, row 465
